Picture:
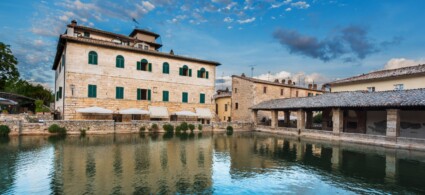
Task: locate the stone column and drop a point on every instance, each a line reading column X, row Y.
column 309, row 120
column 300, row 151
column 300, row 119
column 390, row 167
column 287, row 118
column 336, row 158
column 274, row 119
column 254, row 116
column 337, row 120
column 393, row 123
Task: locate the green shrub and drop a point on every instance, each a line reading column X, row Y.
column 191, row 127
column 200, row 127
column 229, row 130
column 317, row 118
column 168, row 128
column 178, row 129
column 83, row 132
column 154, row 128
column 54, row 128
column 4, row 130
column 142, row 129
column 184, row 127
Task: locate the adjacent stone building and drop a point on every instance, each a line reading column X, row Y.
column 96, row 68
column 247, row 92
column 395, row 79
column 223, row 105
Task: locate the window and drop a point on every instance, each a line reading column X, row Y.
column 92, row 91
column 119, row 92
column 236, row 90
column 165, row 96
column 236, row 106
column 144, row 65
column 296, row 93
column 264, row 89
column 202, row 73
column 225, row 107
column 60, row 92
column 185, row 97
column 281, row 92
column 202, row 98
column 146, row 47
column 310, row 94
column 166, row 68
column 93, row 58
column 398, row 86
column 371, row 89
column 143, row 94
column 86, row 34
column 119, row 61
column 185, row 71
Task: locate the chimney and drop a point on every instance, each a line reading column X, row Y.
column 283, row 81
column 276, row 80
column 289, row 82
column 310, row 86
column 323, row 88
column 315, row 86
column 293, row 83
column 243, row 75
column 74, row 23
column 171, row 52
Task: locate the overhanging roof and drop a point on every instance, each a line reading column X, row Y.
column 360, row 99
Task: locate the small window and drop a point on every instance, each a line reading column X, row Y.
column 185, row 71
column 185, row 97
column 165, row 97
column 371, row 89
column 144, row 65
column 236, row 106
column 119, row 93
column 264, row 89
column 143, row 94
column 202, row 98
column 310, row 94
column 281, row 92
column 398, row 86
column 92, row 91
column 93, row 58
column 225, row 107
column 296, row 93
column 86, row 34
column 236, row 90
column 166, row 68
column 202, row 73
column 119, row 62
column 60, row 92
column 146, row 47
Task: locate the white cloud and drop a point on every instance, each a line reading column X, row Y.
column 288, row 9
column 280, row 4
column 249, row 20
column 229, row 27
column 300, row 78
column 300, row 5
column 228, row 19
column 402, row 62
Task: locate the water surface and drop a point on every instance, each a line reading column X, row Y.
column 243, row 163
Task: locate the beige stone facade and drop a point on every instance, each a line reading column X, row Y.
column 247, row 92
column 74, row 74
column 223, row 106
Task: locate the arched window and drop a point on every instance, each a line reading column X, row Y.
column 202, row 73
column 144, row 65
column 119, row 62
column 93, row 57
column 185, row 71
column 166, row 68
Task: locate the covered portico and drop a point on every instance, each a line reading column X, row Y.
column 388, row 117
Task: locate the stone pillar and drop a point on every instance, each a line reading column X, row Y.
column 336, row 158
column 300, row 151
column 309, row 120
column 393, row 123
column 390, row 167
column 287, row 118
column 300, row 119
column 337, row 120
column 254, row 116
column 274, row 119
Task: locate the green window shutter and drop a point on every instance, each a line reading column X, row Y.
column 95, row 91
column 202, row 98
column 198, row 73
column 165, row 96
column 139, row 66
column 139, row 94
column 92, row 91
column 190, row 72
column 119, row 93
column 166, row 68
column 206, row 74
column 149, row 94
column 57, row 95
column 180, row 71
column 60, row 92
column 184, row 97
column 150, row 67
column 117, row 62
column 95, row 59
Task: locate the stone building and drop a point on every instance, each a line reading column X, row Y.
column 395, row 117
column 247, row 92
column 99, row 71
column 412, row 77
column 223, row 105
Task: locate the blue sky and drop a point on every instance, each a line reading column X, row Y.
column 307, row 40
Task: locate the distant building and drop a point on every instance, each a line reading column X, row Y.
column 99, row 71
column 223, row 105
column 412, row 77
column 247, row 92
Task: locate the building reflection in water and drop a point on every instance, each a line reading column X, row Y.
column 217, row 163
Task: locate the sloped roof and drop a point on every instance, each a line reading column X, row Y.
column 273, row 83
column 381, row 74
column 400, row 98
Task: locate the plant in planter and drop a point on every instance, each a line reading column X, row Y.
column 168, row 128
column 200, row 127
column 229, row 130
column 142, row 129
column 154, row 128
column 4, row 131
column 56, row 129
column 184, row 127
column 191, row 127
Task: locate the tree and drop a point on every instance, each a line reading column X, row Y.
column 8, row 69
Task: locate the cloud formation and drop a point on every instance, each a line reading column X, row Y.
column 395, row 63
column 351, row 43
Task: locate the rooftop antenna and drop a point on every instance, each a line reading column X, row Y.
column 136, row 22
column 252, row 70
column 268, row 76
